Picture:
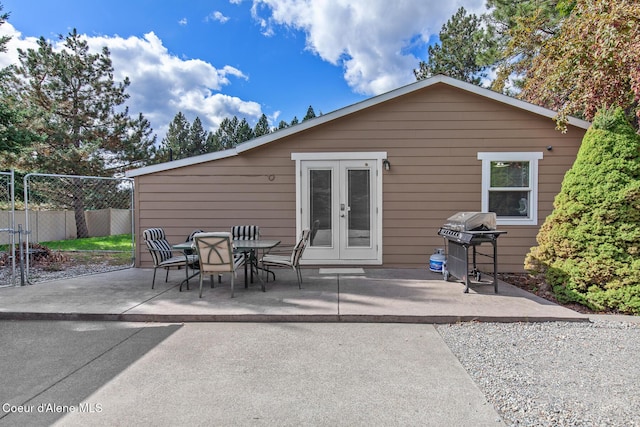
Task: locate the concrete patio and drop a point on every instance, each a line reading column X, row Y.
column 327, row 295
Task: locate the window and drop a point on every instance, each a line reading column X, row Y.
column 510, row 187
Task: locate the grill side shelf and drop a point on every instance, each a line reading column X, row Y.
column 470, row 236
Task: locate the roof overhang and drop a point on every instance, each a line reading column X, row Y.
column 317, row 121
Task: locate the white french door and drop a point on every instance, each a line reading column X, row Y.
column 340, row 202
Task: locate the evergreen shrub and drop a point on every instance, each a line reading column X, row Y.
column 589, row 247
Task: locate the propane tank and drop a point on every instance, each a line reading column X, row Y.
column 437, row 260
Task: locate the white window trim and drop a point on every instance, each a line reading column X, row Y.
column 532, row 158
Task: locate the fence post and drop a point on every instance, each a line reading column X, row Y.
column 11, row 221
column 22, row 255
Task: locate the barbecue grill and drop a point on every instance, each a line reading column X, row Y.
column 466, row 230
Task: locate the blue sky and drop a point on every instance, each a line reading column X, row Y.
column 219, row 58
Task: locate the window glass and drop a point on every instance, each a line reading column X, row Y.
column 320, row 204
column 509, row 203
column 509, row 174
column 505, row 176
column 359, row 217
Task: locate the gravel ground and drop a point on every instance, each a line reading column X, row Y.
column 556, row 373
column 38, row 274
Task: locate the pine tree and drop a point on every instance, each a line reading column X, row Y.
column 310, row 114
column 262, row 127
column 13, row 135
column 141, row 149
column 197, row 139
column 243, row 132
column 225, row 135
column 460, row 51
column 175, row 143
column 77, row 109
column 213, row 143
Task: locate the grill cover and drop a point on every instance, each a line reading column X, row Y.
column 471, row 221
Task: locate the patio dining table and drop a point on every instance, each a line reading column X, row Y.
column 249, row 248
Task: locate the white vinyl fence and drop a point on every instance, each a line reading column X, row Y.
column 47, row 226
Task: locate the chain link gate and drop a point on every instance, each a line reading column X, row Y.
column 7, row 229
column 77, row 225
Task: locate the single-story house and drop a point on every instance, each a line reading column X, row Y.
column 375, row 180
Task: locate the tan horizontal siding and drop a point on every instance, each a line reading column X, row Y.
column 432, row 138
column 426, row 200
column 336, row 139
column 226, row 176
column 430, row 124
column 285, row 196
column 214, row 187
column 218, row 208
column 418, row 114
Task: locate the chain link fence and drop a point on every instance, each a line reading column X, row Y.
column 74, row 225
column 7, row 232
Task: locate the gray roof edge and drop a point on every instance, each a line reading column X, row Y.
column 181, row 163
column 403, row 90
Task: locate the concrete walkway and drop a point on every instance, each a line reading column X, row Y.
column 348, row 349
column 76, row 373
column 327, row 295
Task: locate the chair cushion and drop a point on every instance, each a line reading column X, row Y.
column 190, row 239
column 178, row 261
column 245, row 232
column 238, row 260
column 160, row 251
column 193, row 233
column 154, row 234
column 277, row 260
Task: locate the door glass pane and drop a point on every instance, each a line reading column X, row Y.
column 320, row 207
column 359, row 201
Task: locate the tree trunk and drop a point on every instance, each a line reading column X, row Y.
column 78, row 210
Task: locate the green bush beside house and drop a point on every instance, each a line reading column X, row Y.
column 589, row 247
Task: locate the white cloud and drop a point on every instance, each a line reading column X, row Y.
column 161, row 79
column 161, row 84
column 218, row 16
column 369, row 38
column 17, row 42
column 183, row 21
